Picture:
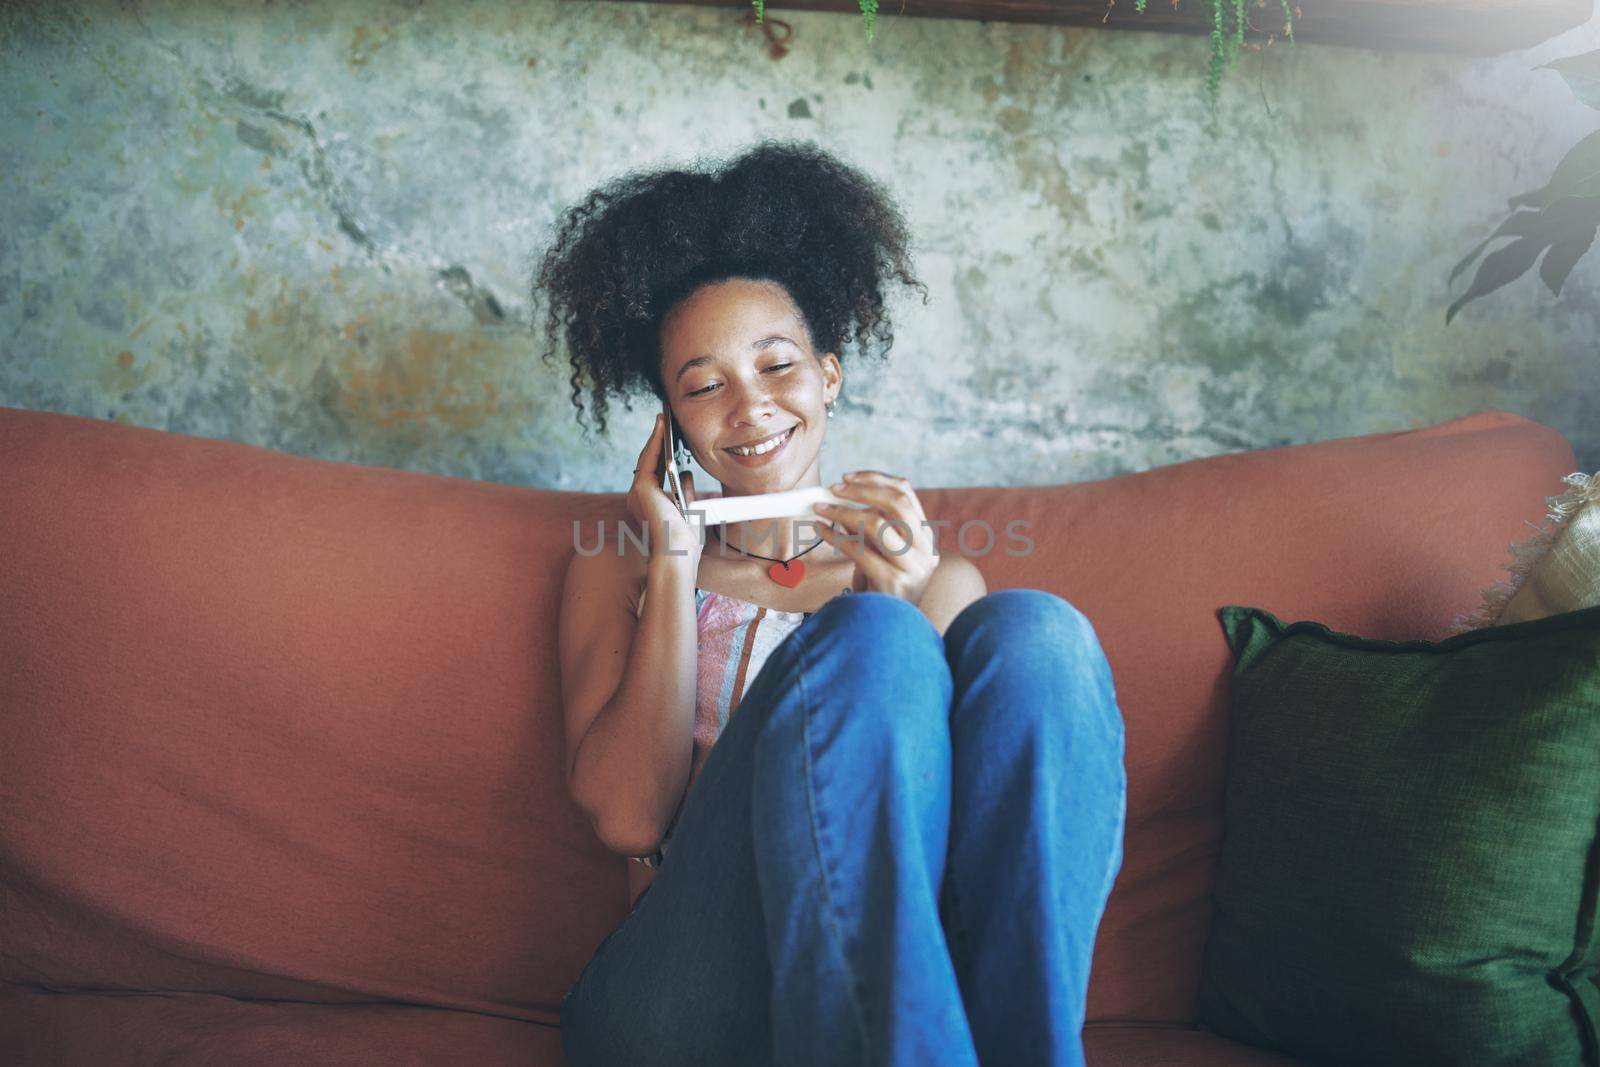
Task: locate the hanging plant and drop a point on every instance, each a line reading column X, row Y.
column 1224, row 46
column 1562, row 216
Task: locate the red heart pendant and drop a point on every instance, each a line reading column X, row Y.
column 787, row 574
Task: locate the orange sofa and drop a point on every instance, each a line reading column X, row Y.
column 280, row 763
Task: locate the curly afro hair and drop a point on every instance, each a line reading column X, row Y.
column 784, row 212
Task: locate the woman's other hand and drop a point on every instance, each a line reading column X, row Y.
column 666, row 527
column 889, row 540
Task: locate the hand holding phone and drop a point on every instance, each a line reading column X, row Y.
column 672, row 478
column 668, row 531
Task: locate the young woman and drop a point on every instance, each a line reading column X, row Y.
column 898, row 849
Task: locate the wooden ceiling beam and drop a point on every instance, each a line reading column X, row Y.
column 1469, row 27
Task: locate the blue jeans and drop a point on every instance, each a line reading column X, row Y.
column 896, row 853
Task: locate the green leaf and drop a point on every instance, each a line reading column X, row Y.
column 1573, row 220
column 1517, row 225
column 1499, row 267
column 1566, row 227
column 1578, row 174
column 1562, row 257
column 1535, row 199
column 1582, row 74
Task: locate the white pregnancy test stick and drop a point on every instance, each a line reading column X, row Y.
column 791, row 503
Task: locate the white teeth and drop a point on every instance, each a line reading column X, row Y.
column 763, row 449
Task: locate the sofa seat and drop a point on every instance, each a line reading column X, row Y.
column 43, row 1029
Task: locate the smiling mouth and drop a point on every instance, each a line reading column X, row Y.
column 767, row 444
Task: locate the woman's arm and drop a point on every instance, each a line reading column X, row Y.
column 956, row 582
column 628, row 692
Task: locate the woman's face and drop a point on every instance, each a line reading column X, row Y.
column 738, row 368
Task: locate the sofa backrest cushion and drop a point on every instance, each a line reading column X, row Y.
column 287, row 728
column 290, row 728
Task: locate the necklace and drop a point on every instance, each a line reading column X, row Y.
column 786, row 572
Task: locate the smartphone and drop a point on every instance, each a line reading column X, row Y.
column 671, row 480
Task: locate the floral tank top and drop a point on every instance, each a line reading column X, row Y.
column 735, row 639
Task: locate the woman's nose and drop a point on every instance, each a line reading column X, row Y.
column 753, row 403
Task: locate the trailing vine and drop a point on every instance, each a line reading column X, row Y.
column 869, row 13
column 1224, row 47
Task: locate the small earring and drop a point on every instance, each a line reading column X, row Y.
column 682, row 455
column 830, row 411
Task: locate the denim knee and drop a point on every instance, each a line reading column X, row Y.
column 877, row 652
column 869, row 624
column 1006, row 615
column 1035, row 632
column 872, row 609
column 1023, row 607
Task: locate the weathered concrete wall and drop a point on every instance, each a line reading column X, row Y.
column 312, row 227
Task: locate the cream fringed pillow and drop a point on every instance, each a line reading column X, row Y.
column 1554, row 571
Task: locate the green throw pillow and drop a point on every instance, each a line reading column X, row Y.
column 1409, row 859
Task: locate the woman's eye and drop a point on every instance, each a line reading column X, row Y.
column 713, row 385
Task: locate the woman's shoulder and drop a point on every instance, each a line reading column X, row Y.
column 623, row 572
